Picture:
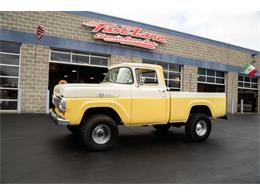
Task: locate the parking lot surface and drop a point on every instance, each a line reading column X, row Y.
column 35, row 150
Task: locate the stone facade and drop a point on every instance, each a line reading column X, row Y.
column 119, row 59
column 34, row 73
column 65, row 25
column 231, row 90
column 189, row 78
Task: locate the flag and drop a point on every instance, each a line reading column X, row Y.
column 40, row 31
column 249, row 69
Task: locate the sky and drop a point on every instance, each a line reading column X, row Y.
column 241, row 29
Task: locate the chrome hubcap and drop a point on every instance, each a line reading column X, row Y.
column 201, row 128
column 101, row 134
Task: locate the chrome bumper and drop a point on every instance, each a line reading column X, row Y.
column 58, row 120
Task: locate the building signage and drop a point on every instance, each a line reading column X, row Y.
column 126, row 35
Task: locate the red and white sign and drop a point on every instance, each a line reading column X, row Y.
column 126, row 35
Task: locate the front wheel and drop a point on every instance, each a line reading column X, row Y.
column 99, row 132
column 198, row 127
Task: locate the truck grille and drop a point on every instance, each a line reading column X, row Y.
column 56, row 100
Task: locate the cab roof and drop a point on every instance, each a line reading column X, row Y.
column 139, row 65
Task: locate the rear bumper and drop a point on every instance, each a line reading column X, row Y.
column 58, row 120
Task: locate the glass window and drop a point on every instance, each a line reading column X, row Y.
column 9, row 59
column 173, row 67
column 8, row 105
column 171, row 72
column 146, row 76
column 80, row 59
column 120, row 75
column 202, row 78
column 218, row 80
column 211, row 76
column 8, row 94
column 202, row 71
column 246, row 82
column 240, row 78
column 64, row 57
column 9, row 47
column 210, row 72
column 174, row 84
column 254, row 80
column 99, row 61
column 247, row 79
column 253, row 85
column 9, row 71
column 210, row 79
column 219, row 74
column 9, row 82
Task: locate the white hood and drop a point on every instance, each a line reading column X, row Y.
column 78, row 90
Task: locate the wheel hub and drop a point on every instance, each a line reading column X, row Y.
column 101, row 134
column 201, row 128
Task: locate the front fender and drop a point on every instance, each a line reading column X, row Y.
column 76, row 107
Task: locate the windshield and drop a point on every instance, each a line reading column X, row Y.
column 122, row 75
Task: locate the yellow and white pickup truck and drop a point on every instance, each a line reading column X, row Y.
column 132, row 94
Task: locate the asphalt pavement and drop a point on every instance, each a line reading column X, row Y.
column 35, row 150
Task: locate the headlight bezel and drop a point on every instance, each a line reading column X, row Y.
column 62, row 105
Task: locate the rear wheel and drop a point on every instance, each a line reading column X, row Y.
column 162, row 128
column 99, row 132
column 198, row 127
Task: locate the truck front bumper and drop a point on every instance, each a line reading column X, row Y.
column 58, row 120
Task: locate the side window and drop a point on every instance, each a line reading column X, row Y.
column 146, row 76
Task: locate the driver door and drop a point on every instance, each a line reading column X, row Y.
column 149, row 99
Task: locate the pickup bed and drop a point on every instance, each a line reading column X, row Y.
column 132, row 94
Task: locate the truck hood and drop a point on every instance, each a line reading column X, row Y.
column 87, row 90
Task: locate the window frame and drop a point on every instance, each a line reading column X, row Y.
column 18, row 99
column 75, row 53
column 215, row 77
column 246, row 82
column 131, row 75
column 168, row 71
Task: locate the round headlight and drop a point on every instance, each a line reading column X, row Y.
column 62, row 105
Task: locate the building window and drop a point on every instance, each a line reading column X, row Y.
column 71, row 57
column 245, row 82
column 211, row 80
column 172, row 74
column 9, row 75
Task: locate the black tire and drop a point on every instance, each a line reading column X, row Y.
column 202, row 132
column 74, row 129
column 162, row 128
column 91, row 129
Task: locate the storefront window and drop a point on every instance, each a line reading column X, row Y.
column 9, row 75
column 211, row 80
column 172, row 74
column 71, row 57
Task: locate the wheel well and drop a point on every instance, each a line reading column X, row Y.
column 103, row 110
column 201, row 109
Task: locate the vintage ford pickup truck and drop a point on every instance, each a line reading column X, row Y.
column 132, row 94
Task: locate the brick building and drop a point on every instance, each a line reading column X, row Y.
column 30, row 67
